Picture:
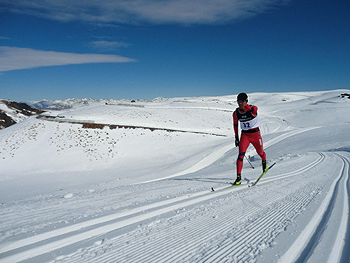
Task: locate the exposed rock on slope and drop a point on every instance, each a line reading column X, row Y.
column 12, row 112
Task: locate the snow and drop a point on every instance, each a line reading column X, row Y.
column 137, row 187
column 13, row 113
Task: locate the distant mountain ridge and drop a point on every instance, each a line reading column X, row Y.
column 68, row 103
column 76, row 103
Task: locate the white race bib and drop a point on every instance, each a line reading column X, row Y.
column 247, row 125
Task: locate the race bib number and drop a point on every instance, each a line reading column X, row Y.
column 247, row 125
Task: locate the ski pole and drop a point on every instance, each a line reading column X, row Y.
column 249, row 161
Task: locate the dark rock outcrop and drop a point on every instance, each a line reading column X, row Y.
column 15, row 111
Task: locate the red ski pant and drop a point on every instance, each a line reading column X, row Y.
column 246, row 139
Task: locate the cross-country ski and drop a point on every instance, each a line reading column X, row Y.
column 262, row 174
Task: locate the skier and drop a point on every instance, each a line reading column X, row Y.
column 247, row 115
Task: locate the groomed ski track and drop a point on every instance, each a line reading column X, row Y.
column 229, row 225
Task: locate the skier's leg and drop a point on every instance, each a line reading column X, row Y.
column 243, row 145
column 258, row 145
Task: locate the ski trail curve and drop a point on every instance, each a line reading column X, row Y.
column 236, row 235
column 216, row 155
column 211, row 158
column 56, row 239
column 339, row 244
column 304, row 245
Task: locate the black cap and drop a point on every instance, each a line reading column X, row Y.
column 242, row 97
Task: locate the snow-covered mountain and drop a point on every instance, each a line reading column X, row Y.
column 131, row 182
column 76, row 103
column 12, row 112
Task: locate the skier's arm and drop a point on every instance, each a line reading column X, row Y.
column 235, row 124
column 253, row 109
column 235, row 128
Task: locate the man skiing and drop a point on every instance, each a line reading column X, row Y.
column 247, row 115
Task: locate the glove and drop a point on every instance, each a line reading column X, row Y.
column 236, row 141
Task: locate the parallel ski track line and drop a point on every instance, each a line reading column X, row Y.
column 162, row 254
column 178, row 203
column 339, row 248
column 346, row 253
column 304, row 245
column 270, row 179
column 92, row 228
column 97, row 221
column 218, row 257
column 282, row 137
column 272, row 220
column 214, row 156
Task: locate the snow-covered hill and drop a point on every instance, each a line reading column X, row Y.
column 12, row 112
column 131, row 182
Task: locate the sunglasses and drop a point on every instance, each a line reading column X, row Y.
column 240, row 101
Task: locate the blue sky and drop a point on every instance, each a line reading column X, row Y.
column 142, row 49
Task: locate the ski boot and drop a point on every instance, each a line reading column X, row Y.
column 264, row 166
column 238, row 180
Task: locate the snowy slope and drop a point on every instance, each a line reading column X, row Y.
column 12, row 112
column 136, row 186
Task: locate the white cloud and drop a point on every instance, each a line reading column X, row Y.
column 136, row 11
column 13, row 58
column 104, row 45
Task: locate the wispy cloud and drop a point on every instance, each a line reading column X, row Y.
column 104, row 45
column 13, row 58
column 136, row 11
